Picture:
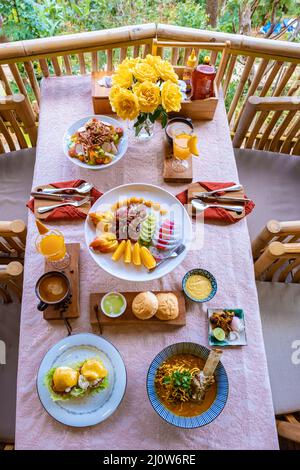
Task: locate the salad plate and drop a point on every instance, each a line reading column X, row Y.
column 90, row 409
column 95, row 142
column 163, row 223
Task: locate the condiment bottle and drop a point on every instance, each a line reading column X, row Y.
column 202, row 82
column 188, row 70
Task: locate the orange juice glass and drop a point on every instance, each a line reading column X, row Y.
column 181, row 152
column 52, row 246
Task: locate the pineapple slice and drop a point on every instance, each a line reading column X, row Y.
column 127, row 254
column 147, row 259
column 136, row 256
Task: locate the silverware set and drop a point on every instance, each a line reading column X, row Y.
column 213, row 199
column 77, row 198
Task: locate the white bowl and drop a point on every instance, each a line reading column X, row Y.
column 118, row 314
column 122, row 145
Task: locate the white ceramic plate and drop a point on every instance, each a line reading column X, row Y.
column 122, row 145
column 89, row 410
column 148, row 192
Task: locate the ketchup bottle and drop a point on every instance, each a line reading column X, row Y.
column 202, row 82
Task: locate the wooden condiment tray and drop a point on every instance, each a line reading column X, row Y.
column 72, row 309
column 128, row 318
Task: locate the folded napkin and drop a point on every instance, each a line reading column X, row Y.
column 217, row 214
column 66, row 212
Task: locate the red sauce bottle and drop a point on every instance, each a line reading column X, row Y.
column 203, row 82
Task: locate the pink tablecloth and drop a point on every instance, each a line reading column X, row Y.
column 247, row 421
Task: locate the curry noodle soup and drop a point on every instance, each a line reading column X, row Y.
column 173, row 385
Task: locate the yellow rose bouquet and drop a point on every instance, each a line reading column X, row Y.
column 145, row 90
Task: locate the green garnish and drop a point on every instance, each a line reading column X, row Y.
column 179, row 379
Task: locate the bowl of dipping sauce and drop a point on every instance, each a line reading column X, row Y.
column 113, row 304
column 199, row 285
column 178, row 125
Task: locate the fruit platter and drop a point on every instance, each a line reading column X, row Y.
column 95, row 142
column 132, row 228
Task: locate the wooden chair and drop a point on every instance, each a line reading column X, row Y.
column 277, row 256
column 11, row 281
column 17, row 123
column 12, row 240
column 274, row 129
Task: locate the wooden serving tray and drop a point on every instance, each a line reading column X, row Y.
column 39, row 202
column 72, row 309
column 128, row 318
column 197, row 188
column 101, row 103
column 171, row 176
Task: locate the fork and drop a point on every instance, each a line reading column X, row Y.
column 201, row 206
column 42, row 210
column 176, row 252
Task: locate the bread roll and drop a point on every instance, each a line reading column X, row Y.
column 145, row 305
column 167, row 306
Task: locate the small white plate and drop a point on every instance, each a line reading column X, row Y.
column 89, row 410
column 122, row 145
column 148, row 192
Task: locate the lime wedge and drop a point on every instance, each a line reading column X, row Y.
column 219, row 334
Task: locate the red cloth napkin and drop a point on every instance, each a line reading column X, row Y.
column 217, row 214
column 67, row 212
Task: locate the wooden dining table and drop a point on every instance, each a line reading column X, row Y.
column 247, row 421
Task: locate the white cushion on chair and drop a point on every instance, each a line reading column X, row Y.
column 272, row 180
column 280, row 315
column 9, row 333
column 16, row 170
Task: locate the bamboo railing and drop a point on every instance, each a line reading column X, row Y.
column 254, row 66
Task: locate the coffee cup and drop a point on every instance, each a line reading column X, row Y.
column 52, row 288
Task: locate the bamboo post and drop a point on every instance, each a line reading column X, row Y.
column 229, row 73
column 82, row 63
column 286, row 76
column 94, row 61
column 6, row 135
column 18, row 131
column 271, row 253
column 296, row 149
column 240, row 87
column 272, row 229
column 245, row 121
column 4, row 80
column 273, row 73
column 33, row 81
column 44, row 67
column 290, row 431
column 288, row 142
column 253, row 87
column 67, row 63
column 279, row 132
column 56, row 66
column 25, row 112
column 223, row 64
column 12, row 276
column 14, row 70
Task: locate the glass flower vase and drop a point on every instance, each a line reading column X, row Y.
column 145, row 130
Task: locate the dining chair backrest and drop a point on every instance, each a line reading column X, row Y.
column 18, row 128
column 11, row 280
column 12, row 240
column 275, row 128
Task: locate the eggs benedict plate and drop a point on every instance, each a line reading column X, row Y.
column 81, row 380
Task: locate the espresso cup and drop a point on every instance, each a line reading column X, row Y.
column 52, row 288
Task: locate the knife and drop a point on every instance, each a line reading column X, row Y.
column 58, row 196
column 223, row 198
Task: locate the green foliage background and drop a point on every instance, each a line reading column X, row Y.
column 27, row 19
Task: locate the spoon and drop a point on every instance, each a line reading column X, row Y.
column 201, row 206
column 84, row 188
